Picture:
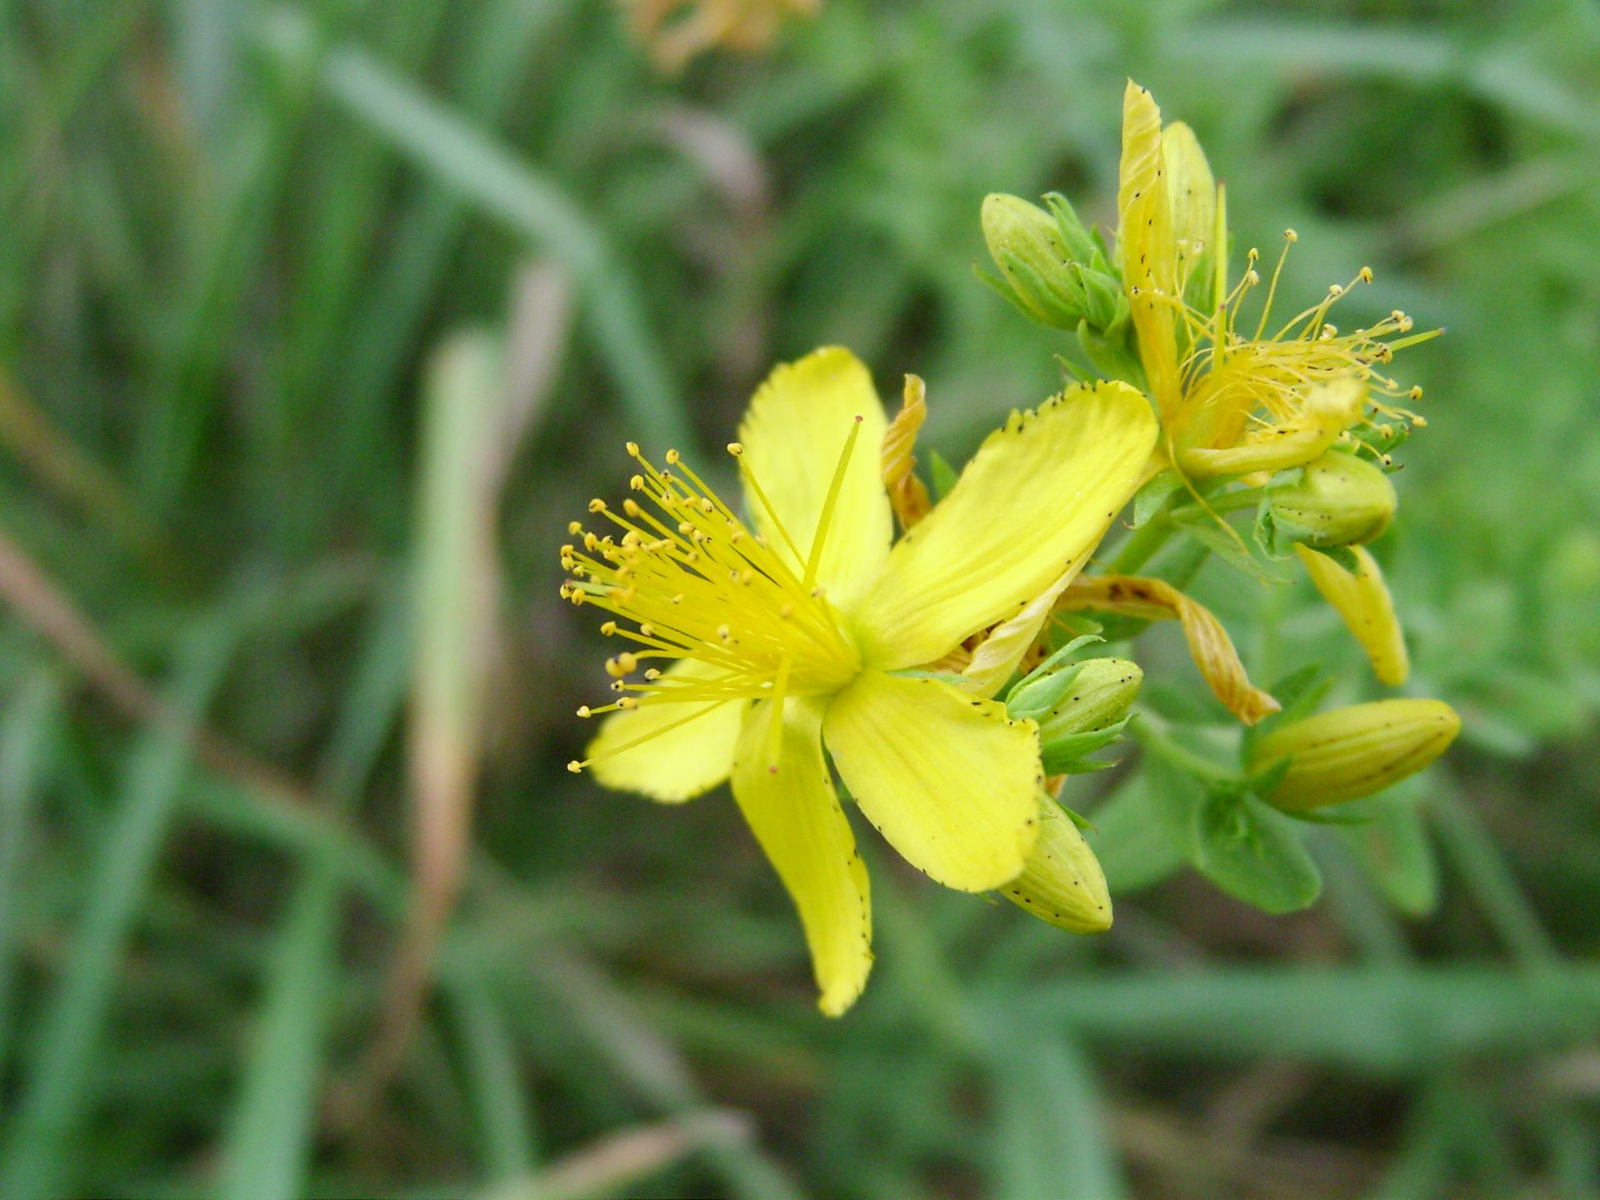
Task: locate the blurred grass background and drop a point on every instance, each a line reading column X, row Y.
column 319, row 321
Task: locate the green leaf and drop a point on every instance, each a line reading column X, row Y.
column 1133, row 839
column 1394, row 848
column 1254, row 854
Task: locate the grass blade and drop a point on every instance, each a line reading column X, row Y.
column 36, row 1159
column 491, row 177
column 273, row 1124
column 23, row 745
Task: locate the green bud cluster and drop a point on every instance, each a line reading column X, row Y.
column 1054, row 270
column 1079, row 707
column 1334, row 500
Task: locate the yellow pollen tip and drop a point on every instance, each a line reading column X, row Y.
column 585, row 711
column 575, row 767
column 597, row 505
column 632, row 449
column 631, row 507
column 607, row 629
column 652, row 674
column 735, row 449
column 1365, row 275
column 1420, row 422
column 636, row 483
column 574, row 527
column 673, row 457
column 628, row 703
column 1290, row 236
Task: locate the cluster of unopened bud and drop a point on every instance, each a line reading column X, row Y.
column 1079, row 707
column 1062, row 883
column 1347, row 753
column 1336, row 499
column 1052, row 269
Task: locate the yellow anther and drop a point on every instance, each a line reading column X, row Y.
column 1365, row 275
column 575, row 767
column 1290, row 236
column 574, row 527
column 628, row 702
column 706, row 506
column 597, row 505
column 608, row 628
column 1420, row 422
column 636, row 483
column 1335, row 290
column 633, row 449
column 585, row 711
column 735, row 449
column 652, row 674
column 1415, row 394
column 647, row 630
column 673, row 457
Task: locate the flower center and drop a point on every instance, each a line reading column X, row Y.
column 695, row 583
column 1231, row 382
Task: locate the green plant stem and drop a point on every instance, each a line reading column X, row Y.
column 1143, row 544
column 1154, row 740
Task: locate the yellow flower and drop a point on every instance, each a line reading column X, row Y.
column 1232, row 402
column 675, row 35
column 808, row 612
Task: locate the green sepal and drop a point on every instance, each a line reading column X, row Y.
column 1020, row 702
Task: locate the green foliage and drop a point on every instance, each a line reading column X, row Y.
column 236, row 234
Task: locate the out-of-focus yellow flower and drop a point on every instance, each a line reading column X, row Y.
column 1232, row 402
column 1352, row 752
column 799, row 631
column 677, row 30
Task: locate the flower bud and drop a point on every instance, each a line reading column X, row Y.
column 1101, row 692
column 1079, row 708
column 1034, row 260
column 1352, row 752
column 1062, row 882
column 1336, row 500
column 1053, row 270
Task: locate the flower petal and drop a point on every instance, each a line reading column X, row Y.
column 950, row 781
column 1363, row 602
column 1145, row 239
column 792, row 436
column 1033, row 503
column 1209, row 643
column 669, row 752
column 795, row 815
